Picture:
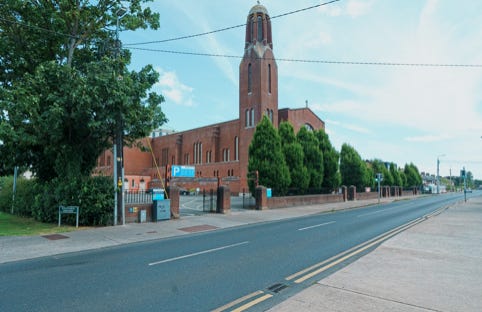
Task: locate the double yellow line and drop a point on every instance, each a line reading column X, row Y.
column 246, row 305
column 320, row 267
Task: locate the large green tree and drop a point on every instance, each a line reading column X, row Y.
column 331, row 175
column 65, row 86
column 313, row 157
column 379, row 166
column 397, row 179
column 414, row 179
column 294, row 157
column 353, row 169
column 266, row 157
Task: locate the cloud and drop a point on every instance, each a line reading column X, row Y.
column 201, row 19
column 358, row 8
column 429, row 138
column 353, row 8
column 345, row 106
column 351, row 127
column 173, row 89
column 427, row 99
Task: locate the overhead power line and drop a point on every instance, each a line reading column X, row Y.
column 314, row 61
column 129, row 46
column 42, row 29
column 227, row 28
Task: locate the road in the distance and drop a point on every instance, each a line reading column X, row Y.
column 198, row 272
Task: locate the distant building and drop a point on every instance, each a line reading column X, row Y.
column 219, row 152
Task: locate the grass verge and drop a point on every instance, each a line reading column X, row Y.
column 11, row 225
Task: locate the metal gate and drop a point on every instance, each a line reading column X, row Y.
column 209, row 200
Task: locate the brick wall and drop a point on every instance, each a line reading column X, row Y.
column 299, row 117
column 291, row 201
column 366, row 195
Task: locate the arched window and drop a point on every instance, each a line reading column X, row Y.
column 260, row 28
column 194, row 154
column 250, row 78
column 251, row 26
column 236, row 148
column 269, row 78
column 252, row 118
column 309, row 127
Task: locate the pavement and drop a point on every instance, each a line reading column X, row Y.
column 433, row 266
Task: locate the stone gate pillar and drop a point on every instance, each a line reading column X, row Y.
column 261, row 198
column 223, row 200
column 352, row 192
column 173, row 192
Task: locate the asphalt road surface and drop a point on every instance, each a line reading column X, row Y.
column 221, row 269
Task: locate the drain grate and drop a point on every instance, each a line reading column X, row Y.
column 276, row 288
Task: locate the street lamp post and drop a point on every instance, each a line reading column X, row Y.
column 438, row 175
column 118, row 145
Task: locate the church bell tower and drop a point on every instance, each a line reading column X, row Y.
column 258, row 79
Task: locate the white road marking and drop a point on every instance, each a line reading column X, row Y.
column 375, row 212
column 198, row 253
column 315, row 226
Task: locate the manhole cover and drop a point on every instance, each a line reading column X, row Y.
column 199, row 228
column 55, row 236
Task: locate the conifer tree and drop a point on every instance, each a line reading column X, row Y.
column 353, row 169
column 294, row 157
column 266, row 157
column 331, row 175
column 313, row 157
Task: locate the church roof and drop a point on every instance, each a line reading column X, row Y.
column 258, row 8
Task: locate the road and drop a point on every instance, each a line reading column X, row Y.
column 224, row 269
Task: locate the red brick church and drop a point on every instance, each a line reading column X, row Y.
column 219, row 152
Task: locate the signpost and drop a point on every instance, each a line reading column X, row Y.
column 183, row 171
column 379, row 178
column 69, row 210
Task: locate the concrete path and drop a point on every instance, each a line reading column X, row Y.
column 434, row 266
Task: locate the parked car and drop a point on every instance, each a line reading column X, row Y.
column 183, row 191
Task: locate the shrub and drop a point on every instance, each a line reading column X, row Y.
column 93, row 195
column 6, row 185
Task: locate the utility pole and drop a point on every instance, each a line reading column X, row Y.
column 118, row 146
column 15, row 173
column 438, row 175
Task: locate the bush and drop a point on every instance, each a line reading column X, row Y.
column 96, row 200
column 6, row 185
column 24, row 197
column 94, row 196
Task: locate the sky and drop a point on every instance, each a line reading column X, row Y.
column 401, row 114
